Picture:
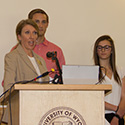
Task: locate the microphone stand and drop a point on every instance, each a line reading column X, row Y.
column 60, row 71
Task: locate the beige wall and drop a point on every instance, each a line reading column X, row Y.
column 74, row 26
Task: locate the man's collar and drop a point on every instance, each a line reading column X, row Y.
column 45, row 42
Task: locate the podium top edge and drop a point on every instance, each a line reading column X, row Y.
column 101, row 87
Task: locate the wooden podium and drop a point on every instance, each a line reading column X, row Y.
column 42, row 104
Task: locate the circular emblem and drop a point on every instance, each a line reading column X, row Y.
column 62, row 116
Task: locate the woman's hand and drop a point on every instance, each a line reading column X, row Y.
column 115, row 121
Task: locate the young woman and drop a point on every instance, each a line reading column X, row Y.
column 104, row 55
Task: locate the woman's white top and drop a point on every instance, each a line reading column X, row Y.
column 115, row 95
column 33, row 61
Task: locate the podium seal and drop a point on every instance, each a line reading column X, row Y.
column 62, row 116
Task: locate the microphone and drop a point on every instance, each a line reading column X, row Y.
column 24, row 82
column 51, row 54
column 43, row 75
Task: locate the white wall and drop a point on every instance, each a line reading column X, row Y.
column 74, row 26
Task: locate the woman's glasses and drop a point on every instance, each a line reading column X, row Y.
column 106, row 47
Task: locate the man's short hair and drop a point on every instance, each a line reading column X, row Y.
column 31, row 13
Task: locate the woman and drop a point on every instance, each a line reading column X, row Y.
column 22, row 63
column 104, row 55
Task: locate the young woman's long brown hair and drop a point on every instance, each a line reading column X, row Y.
column 112, row 57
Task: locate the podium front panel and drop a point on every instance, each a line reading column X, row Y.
column 61, row 107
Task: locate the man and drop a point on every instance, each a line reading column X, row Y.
column 43, row 45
